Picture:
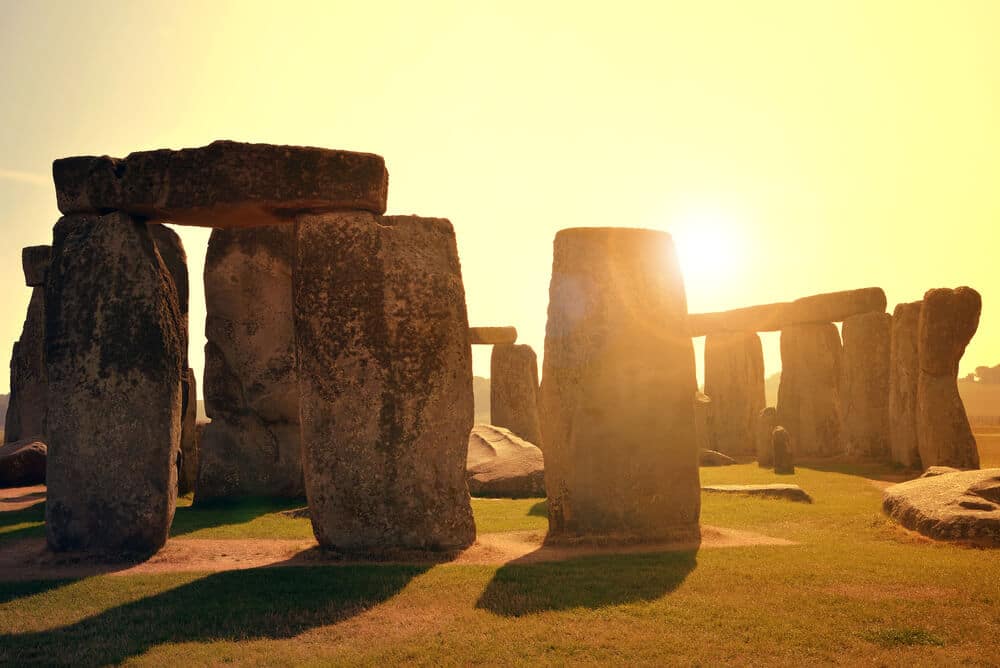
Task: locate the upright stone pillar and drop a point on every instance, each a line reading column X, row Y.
column 252, row 445
column 514, row 391
column 734, row 379
column 385, row 378
column 113, row 349
column 703, row 422
column 904, row 368
column 621, row 452
column 764, row 426
column 948, row 321
column 865, row 385
column 809, row 396
column 26, row 406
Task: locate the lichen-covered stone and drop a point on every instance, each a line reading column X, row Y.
column 252, row 446
column 948, row 321
column 764, row 425
column 618, row 424
column 225, row 184
column 864, row 385
column 113, row 360
column 385, row 378
column 514, row 391
column 28, row 388
column 734, row 379
column 904, row 370
column 500, row 464
column 809, row 394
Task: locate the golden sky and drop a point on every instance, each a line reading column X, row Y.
column 792, row 147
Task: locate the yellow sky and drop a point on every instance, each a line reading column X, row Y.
column 823, row 145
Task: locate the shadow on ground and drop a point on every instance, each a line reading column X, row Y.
column 234, row 605
column 522, row 588
column 25, row 523
column 223, row 512
column 540, row 509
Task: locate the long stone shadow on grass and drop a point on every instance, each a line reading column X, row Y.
column 233, row 605
column 223, row 512
column 522, row 588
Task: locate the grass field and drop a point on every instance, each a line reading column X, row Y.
column 855, row 590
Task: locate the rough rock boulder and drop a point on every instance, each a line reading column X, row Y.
column 22, row 463
column 963, row 506
column 500, row 464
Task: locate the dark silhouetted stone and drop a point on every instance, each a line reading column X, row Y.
column 492, row 335
column 113, row 359
column 734, row 379
column 225, row 184
column 809, row 397
column 864, row 385
column 948, row 321
column 22, row 463
column 35, row 262
column 28, row 388
column 618, row 423
column 187, row 474
column 514, row 391
column 385, row 378
column 904, row 369
column 764, row 426
column 781, row 446
column 500, row 464
column 252, row 446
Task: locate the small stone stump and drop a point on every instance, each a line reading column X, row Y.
column 865, row 385
column 809, row 393
column 514, row 391
column 385, row 378
column 781, row 445
column 113, row 350
column 621, row 453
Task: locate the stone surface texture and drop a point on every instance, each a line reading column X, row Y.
column 767, row 420
column 809, row 394
column 784, row 451
column 225, row 184
column 771, row 491
column 734, row 379
column 22, row 463
column 829, row 307
column 492, row 335
column 501, row 464
column 385, row 378
column 514, row 391
column 961, row 506
column 252, row 445
column 28, row 387
column 904, row 370
column 864, row 385
column 948, row 321
column 113, row 349
column 35, row 262
column 618, row 424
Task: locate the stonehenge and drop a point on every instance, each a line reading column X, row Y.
column 948, row 321
column 864, row 385
column 514, row 391
column 734, row 379
column 497, row 336
column 386, row 404
column 618, row 423
column 26, row 407
column 904, row 369
column 252, row 446
column 809, row 396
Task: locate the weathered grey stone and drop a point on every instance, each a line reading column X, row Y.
column 113, row 359
column 187, row 472
column 514, row 391
column 252, row 446
column 948, row 321
column 703, row 422
column 904, row 368
column 28, row 388
column 500, row 464
column 22, row 463
column 770, row 491
column 225, row 184
column 492, row 335
column 962, row 506
column 714, row 458
column 385, row 378
column 864, row 385
column 781, row 446
column 35, row 262
column 809, row 396
column 767, row 420
column 621, row 452
column 734, row 379
column 830, row 307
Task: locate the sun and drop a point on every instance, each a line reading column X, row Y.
column 709, row 242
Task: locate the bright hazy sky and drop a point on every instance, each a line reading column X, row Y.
column 791, row 147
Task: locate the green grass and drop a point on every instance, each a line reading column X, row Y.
column 855, row 590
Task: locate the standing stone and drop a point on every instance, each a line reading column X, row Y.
column 904, row 369
column 514, row 391
column 187, row 472
column 28, row 388
column 734, row 378
column 252, row 445
column 385, row 378
column 809, row 397
column 864, row 385
column 703, row 422
column 113, row 359
column 948, row 321
column 618, row 422
column 767, row 420
column 781, row 446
